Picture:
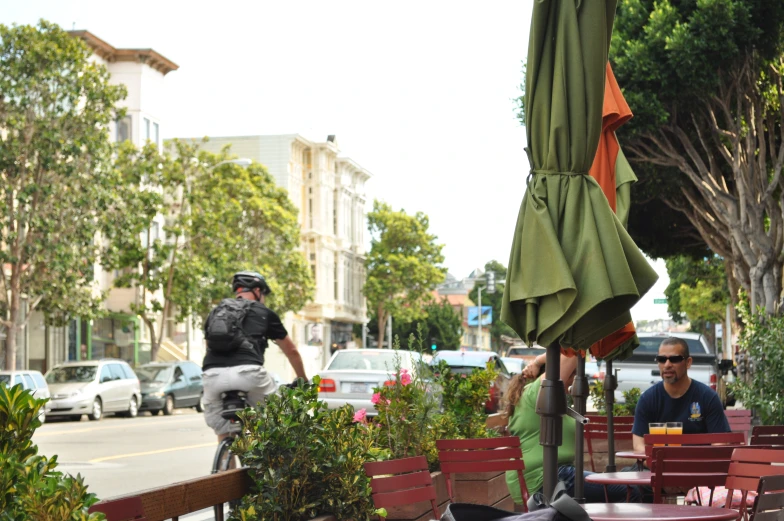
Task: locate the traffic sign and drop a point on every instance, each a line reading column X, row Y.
column 660, row 301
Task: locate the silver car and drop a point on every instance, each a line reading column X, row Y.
column 351, row 375
column 94, row 387
column 33, row 381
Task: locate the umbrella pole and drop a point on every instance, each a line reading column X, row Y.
column 551, row 406
column 580, row 394
column 610, row 384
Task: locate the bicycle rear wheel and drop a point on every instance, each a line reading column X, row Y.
column 224, row 460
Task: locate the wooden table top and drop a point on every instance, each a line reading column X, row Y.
column 657, row 512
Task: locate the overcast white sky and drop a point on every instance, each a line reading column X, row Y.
column 419, row 93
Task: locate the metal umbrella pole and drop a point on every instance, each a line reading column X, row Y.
column 610, row 385
column 580, row 395
column 551, row 406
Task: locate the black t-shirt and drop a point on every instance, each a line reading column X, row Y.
column 260, row 324
column 699, row 409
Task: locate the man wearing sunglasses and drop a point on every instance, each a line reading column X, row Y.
column 678, row 398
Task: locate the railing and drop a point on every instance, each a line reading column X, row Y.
column 187, row 497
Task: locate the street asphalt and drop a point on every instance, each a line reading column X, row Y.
column 117, row 456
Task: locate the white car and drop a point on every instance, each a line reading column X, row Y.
column 351, row 375
column 94, row 387
column 33, row 381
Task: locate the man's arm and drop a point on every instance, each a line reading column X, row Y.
column 638, row 443
column 716, row 419
column 289, row 349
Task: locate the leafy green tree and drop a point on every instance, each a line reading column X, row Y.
column 403, row 265
column 704, row 80
column 497, row 328
column 441, row 325
column 57, row 189
column 220, row 218
column 697, row 290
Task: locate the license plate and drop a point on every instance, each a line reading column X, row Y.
column 358, row 388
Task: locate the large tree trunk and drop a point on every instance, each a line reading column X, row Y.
column 731, row 151
column 154, row 344
column 382, row 326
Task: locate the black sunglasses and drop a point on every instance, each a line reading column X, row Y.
column 674, row 359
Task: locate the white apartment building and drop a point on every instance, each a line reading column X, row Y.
column 122, row 335
column 329, row 192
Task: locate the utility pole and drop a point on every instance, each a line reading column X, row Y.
column 490, row 281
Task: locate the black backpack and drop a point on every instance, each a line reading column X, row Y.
column 223, row 329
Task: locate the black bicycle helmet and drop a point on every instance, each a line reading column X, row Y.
column 250, row 280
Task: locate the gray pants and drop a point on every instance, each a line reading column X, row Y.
column 252, row 379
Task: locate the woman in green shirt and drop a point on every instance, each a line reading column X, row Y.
column 526, row 424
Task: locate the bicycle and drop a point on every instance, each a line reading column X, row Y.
column 233, row 402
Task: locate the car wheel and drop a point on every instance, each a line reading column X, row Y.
column 168, row 407
column 97, row 411
column 133, row 408
column 200, row 405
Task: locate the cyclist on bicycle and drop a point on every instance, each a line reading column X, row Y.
column 243, row 368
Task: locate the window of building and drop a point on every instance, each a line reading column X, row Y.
column 156, row 138
column 313, row 272
column 336, row 263
column 146, row 130
column 335, row 213
column 310, row 212
column 123, row 130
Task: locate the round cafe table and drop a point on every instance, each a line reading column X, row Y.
column 628, row 454
column 630, row 479
column 656, row 512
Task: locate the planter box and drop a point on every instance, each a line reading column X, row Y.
column 480, row 488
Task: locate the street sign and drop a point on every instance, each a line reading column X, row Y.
column 660, row 301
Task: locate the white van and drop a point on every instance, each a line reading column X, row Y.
column 32, row 381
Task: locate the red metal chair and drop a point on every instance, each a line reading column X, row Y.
column 123, row 509
column 767, row 435
column 688, row 467
column 598, row 431
column 400, row 482
column 482, row 455
column 739, row 420
column 720, row 438
column 770, row 499
column 747, row 467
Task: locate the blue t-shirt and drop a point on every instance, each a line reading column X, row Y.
column 699, row 409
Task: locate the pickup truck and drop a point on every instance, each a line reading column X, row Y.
column 640, row 370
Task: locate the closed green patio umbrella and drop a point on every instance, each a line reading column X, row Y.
column 574, row 272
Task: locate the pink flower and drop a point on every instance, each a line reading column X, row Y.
column 405, row 378
column 376, row 397
column 389, row 402
column 404, row 371
column 359, row 416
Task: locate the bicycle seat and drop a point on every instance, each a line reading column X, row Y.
column 233, row 402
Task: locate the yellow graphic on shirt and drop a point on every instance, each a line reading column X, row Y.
column 696, row 412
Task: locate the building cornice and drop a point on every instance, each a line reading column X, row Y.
column 355, row 167
column 112, row 54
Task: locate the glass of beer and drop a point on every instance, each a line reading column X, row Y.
column 675, row 428
column 657, row 428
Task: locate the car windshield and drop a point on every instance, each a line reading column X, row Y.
column 650, row 345
column 75, row 373
column 154, row 374
column 5, row 379
column 365, row 361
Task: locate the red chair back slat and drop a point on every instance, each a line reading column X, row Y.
column 688, row 467
column 602, row 419
column 747, row 467
column 478, row 455
column 743, row 413
column 123, row 509
column 767, row 435
column 481, row 455
column 405, row 481
column 599, row 431
column 723, row 438
column 769, row 504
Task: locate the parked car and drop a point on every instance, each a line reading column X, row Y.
column 94, row 387
column 167, row 386
column 465, row 362
column 514, row 365
column 524, row 352
column 351, row 374
column 32, row 381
